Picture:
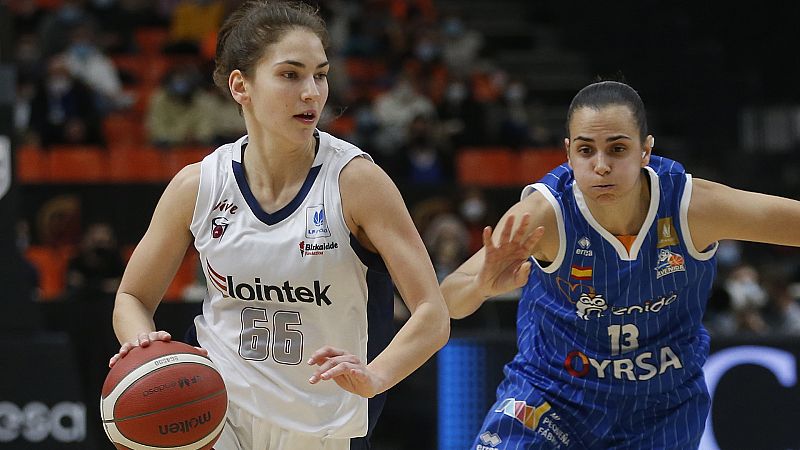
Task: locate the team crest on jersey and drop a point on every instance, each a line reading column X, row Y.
column 218, row 227
column 316, row 223
column 669, row 262
column 589, row 304
column 666, row 233
column 583, row 247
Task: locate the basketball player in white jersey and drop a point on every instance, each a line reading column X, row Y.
column 300, row 235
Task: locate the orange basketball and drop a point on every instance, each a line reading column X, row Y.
column 166, row 395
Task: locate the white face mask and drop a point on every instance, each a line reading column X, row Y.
column 473, row 209
column 58, row 84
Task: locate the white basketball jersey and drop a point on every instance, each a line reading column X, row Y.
column 280, row 286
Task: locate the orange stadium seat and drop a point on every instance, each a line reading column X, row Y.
column 124, row 130
column 82, row 164
column 187, row 272
column 31, row 164
column 534, row 163
column 136, row 164
column 142, row 95
column 486, row 166
column 147, row 70
column 52, row 266
column 151, row 39
column 178, row 158
column 342, row 126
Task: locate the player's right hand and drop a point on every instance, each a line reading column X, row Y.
column 142, row 340
column 506, row 265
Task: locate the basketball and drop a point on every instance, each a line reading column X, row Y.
column 166, row 395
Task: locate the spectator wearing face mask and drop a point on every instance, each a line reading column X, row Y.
column 89, row 64
column 55, row 27
column 748, row 298
column 180, row 111
column 63, row 110
column 476, row 214
column 461, row 46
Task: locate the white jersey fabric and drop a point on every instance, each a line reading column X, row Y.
column 280, row 286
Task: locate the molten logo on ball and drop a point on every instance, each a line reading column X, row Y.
column 185, row 426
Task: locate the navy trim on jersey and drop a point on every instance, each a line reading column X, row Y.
column 286, row 211
column 380, row 316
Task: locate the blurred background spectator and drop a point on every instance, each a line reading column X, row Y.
column 181, row 112
column 63, row 109
column 95, row 271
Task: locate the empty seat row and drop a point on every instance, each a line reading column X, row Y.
column 504, row 167
column 90, row 164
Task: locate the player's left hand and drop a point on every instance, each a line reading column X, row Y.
column 346, row 369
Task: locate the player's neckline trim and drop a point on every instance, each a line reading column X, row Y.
column 250, row 198
column 655, row 195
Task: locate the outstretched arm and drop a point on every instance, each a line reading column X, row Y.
column 503, row 264
column 719, row 212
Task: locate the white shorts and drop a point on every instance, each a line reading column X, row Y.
column 243, row 431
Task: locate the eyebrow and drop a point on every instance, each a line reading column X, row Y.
column 609, row 139
column 301, row 65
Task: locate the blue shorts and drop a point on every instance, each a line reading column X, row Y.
column 560, row 417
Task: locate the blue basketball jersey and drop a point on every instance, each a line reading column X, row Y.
column 606, row 320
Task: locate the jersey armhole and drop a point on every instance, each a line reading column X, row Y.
column 562, row 235
column 705, row 254
column 202, row 200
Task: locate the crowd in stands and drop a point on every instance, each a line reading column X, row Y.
column 411, row 84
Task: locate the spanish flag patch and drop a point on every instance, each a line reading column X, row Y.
column 581, row 273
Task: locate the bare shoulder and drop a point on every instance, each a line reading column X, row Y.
column 180, row 196
column 362, row 182
column 709, row 198
column 538, row 205
column 361, row 171
column 187, row 178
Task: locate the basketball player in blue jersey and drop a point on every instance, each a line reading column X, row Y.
column 614, row 252
column 301, row 237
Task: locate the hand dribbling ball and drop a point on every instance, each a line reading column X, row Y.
column 166, row 395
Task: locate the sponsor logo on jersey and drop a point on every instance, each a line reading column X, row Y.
column 525, row 414
column 669, row 262
column 488, row 440
column 583, row 247
column 225, row 206
column 649, row 306
column 541, row 419
column 642, row 367
column 218, row 227
column 666, row 233
column 311, row 249
column 581, row 273
column 285, row 292
column 589, row 304
column 316, row 223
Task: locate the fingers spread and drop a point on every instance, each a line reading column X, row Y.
column 326, row 369
column 322, row 354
